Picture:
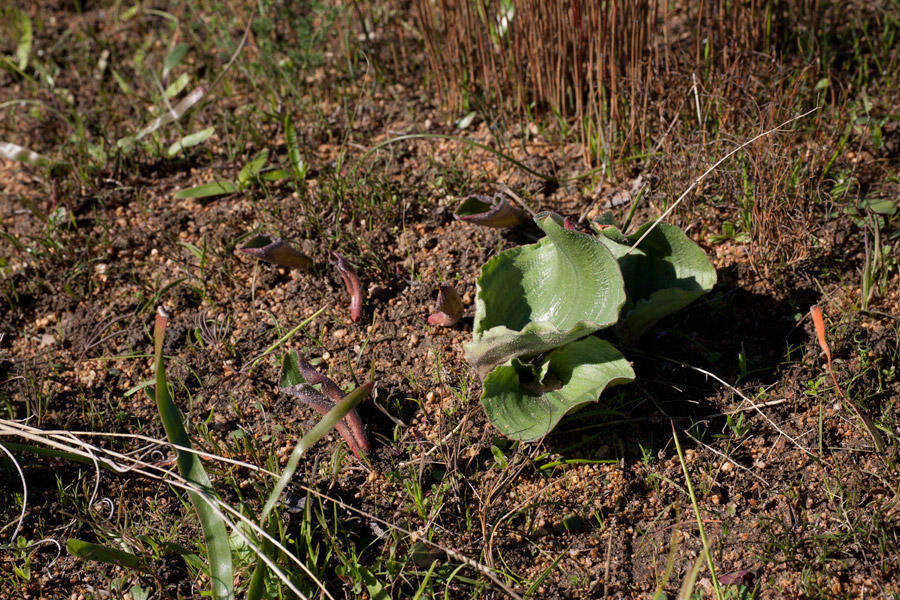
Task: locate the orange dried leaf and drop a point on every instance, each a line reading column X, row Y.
column 819, row 324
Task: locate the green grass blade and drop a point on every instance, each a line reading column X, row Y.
column 283, row 339
column 214, row 531
column 123, row 85
column 686, row 591
column 173, row 58
column 321, row 428
column 207, row 190
column 297, row 163
column 326, row 424
column 104, row 554
column 690, row 488
column 663, row 580
column 256, row 589
column 543, row 576
column 23, row 50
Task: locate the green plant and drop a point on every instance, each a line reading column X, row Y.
column 247, row 538
column 161, row 84
column 738, row 424
column 706, row 546
column 15, row 19
column 22, row 564
column 874, row 217
column 334, row 415
column 246, row 177
column 105, row 554
column 738, row 592
column 214, row 529
column 537, row 306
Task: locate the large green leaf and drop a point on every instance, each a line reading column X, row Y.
column 525, row 402
column 538, row 297
column 290, row 136
column 665, row 273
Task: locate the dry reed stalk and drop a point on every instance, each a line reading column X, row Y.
column 599, row 64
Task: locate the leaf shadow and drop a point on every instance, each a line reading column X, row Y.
column 745, row 337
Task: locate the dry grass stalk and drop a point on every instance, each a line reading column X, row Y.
column 602, row 64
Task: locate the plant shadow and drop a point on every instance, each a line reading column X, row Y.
column 746, row 338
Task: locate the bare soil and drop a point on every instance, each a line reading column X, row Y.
column 793, row 497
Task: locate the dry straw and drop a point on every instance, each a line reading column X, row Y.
column 601, row 64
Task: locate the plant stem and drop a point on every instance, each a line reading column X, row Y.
column 690, row 487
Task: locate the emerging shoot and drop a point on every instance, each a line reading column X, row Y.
column 488, row 211
column 353, row 286
column 449, row 308
column 276, row 251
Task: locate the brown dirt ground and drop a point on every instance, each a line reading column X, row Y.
column 800, row 501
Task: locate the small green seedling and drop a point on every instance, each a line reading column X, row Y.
column 248, row 175
column 738, row 424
